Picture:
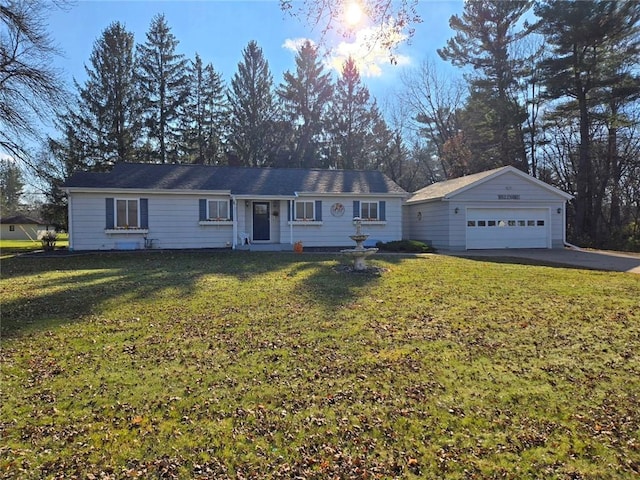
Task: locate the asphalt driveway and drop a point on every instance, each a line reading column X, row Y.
column 575, row 257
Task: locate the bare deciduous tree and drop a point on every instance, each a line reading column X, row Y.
column 30, row 87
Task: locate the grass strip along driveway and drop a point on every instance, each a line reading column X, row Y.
column 235, row 365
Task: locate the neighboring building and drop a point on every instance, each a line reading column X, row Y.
column 195, row 206
column 21, row 227
column 501, row 208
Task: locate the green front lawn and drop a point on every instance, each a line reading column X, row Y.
column 10, row 247
column 249, row 365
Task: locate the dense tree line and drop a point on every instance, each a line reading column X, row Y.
column 550, row 87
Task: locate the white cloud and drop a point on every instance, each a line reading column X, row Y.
column 366, row 49
column 294, row 44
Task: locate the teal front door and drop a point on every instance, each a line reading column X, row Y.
column 261, row 224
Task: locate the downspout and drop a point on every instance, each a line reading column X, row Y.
column 234, row 241
column 564, row 229
column 70, row 220
column 291, row 205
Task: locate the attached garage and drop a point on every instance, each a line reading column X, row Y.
column 501, row 208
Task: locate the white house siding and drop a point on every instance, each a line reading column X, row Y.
column 173, row 223
column 334, row 231
column 428, row 222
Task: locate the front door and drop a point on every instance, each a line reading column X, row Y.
column 261, row 224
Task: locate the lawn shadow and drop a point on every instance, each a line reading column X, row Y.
column 82, row 283
column 334, row 282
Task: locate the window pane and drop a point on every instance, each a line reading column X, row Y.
column 471, row 223
column 531, row 223
column 482, row 223
column 132, row 213
column 121, row 213
column 492, row 223
column 223, row 210
column 511, row 223
column 369, row 210
column 521, row 223
column 304, row 210
column 373, row 210
column 540, row 223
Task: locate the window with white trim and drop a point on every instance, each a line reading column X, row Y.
column 218, row 210
column 127, row 213
column 369, row 210
column 304, row 210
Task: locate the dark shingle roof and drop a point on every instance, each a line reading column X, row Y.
column 20, row 220
column 239, row 180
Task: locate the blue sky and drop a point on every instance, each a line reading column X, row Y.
column 219, row 30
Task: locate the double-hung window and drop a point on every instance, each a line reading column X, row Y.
column 218, row 210
column 305, row 211
column 127, row 213
column 369, row 210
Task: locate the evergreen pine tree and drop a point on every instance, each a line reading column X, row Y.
column 203, row 116
column 163, row 83
column 107, row 113
column 252, row 126
column 352, row 120
column 591, row 44
column 484, row 34
column 305, row 96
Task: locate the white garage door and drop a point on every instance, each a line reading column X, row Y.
column 507, row 228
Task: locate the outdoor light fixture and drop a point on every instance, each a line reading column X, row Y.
column 456, row 210
column 559, row 210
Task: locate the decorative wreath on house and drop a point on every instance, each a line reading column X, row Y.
column 337, row 209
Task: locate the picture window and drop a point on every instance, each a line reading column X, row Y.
column 305, row 211
column 127, row 213
column 218, row 210
column 369, row 210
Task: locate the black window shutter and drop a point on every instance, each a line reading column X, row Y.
column 356, row 208
column 110, row 222
column 289, row 210
column 203, row 209
column 144, row 213
column 383, row 210
column 230, row 209
column 319, row 210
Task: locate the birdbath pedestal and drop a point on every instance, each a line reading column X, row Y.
column 360, row 252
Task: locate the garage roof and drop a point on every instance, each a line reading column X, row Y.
column 449, row 188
